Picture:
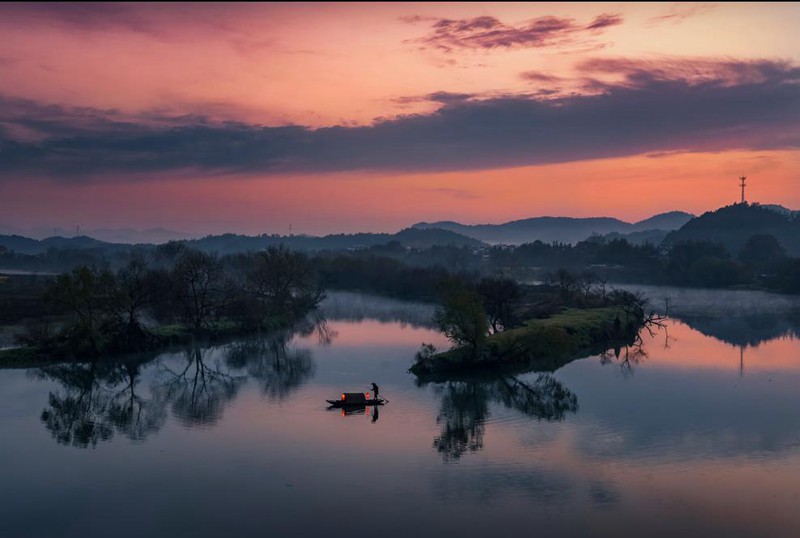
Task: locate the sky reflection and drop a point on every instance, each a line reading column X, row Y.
column 679, row 442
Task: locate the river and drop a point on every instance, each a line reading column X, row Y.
column 695, row 432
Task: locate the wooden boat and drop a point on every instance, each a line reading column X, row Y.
column 355, row 399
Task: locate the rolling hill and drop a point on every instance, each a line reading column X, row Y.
column 561, row 229
column 733, row 225
column 231, row 243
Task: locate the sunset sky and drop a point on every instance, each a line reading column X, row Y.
column 247, row 118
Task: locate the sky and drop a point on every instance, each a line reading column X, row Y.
column 328, row 118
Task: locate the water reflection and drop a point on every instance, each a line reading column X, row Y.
column 96, row 401
column 689, row 333
column 133, row 397
column 628, row 357
column 463, row 413
column 104, row 397
column 683, row 447
column 464, row 407
column 737, row 317
column 748, row 331
column 198, row 392
column 279, row 368
column 373, row 414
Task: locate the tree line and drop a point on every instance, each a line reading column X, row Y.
column 761, row 261
column 410, row 273
column 173, row 288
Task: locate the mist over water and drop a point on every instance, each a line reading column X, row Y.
column 737, row 317
column 349, row 306
column 709, row 302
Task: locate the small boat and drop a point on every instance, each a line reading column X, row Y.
column 355, row 399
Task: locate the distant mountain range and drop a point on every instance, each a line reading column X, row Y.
column 230, row 243
column 409, row 237
column 561, row 229
column 26, row 245
column 731, row 226
column 131, row 236
column 109, row 235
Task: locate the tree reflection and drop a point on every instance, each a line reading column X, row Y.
column 631, row 354
column 463, row 412
column 98, row 399
column 199, row 392
column 545, row 398
column 131, row 413
column 465, row 407
column 627, row 357
column 102, row 398
column 743, row 328
column 278, row 368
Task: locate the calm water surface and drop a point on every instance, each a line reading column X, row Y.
column 695, row 433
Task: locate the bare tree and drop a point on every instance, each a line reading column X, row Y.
column 500, row 298
column 283, row 282
column 89, row 293
column 461, row 317
column 201, row 287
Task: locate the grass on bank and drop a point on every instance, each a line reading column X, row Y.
column 548, row 342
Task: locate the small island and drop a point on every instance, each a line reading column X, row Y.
column 498, row 325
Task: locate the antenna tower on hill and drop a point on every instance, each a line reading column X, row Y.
column 742, row 185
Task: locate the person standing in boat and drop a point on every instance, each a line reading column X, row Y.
column 375, row 390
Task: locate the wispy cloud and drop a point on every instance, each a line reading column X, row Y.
column 167, row 22
column 435, row 97
column 605, row 20
column 651, row 107
column 536, row 76
column 461, row 194
column 679, row 12
column 633, row 72
column 488, row 32
column 85, row 16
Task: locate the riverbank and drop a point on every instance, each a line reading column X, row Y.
column 156, row 339
column 542, row 344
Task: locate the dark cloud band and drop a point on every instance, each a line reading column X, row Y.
column 709, row 107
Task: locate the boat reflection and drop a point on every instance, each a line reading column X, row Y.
column 361, row 410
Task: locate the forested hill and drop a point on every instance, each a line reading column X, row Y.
column 229, row 243
column 733, row 225
column 26, row 245
column 560, row 229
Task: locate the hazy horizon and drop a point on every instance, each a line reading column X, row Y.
column 155, row 231
column 41, row 232
column 62, row 231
